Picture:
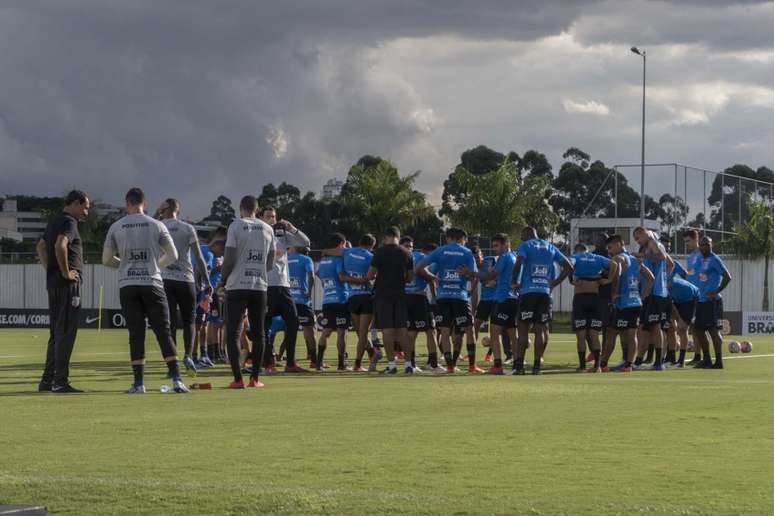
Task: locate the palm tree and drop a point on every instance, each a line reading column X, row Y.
column 755, row 239
column 384, row 198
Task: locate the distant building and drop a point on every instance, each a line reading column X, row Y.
column 29, row 224
column 106, row 210
column 587, row 231
column 332, row 188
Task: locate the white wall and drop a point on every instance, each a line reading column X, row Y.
column 24, row 286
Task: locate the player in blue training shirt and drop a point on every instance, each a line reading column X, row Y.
column 713, row 277
column 692, row 265
column 657, row 309
column 301, row 274
column 588, row 271
column 627, row 303
column 335, row 315
column 673, row 343
column 216, row 345
column 684, row 297
column 532, row 279
column 505, row 312
column 453, row 294
column 420, row 318
column 484, row 300
column 203, row 299
column 361, row 298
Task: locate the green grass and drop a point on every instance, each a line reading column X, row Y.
column 678, row 442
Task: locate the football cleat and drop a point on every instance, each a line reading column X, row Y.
column 255, row 383
column 295, row 369
column 474, row 369
column 237, row 384
column 495, row 371
column 179, row 387
column 136, row 389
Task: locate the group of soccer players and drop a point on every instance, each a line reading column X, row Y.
column 257, row 270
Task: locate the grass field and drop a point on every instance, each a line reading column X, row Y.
column 677, row 442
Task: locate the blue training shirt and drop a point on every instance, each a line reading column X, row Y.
column 683, row 290
column 678, row 271
column 277, row 325
column 589, row 265
column 659, row 270
column 448, row 258
column 334, row 291
column 356, row 263
column 488, row 293
column 504, row 268
column 299, row 267
column 710, row 275
column 417, row 285
column 629, row 284
column 538, row 258
column 693, row 262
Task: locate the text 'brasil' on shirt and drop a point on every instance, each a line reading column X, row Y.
column 538, row 258
column 449, row 258
column 299, row 267
column 334, row 291
column 356, row 263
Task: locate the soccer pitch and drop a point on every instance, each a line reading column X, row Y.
column 677, row 442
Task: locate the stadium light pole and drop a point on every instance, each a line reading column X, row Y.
column 642, row 54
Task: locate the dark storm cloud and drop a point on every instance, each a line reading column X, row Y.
column 195, row 98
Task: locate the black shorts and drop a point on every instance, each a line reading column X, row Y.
column 485, row 310
column 656, row 311
column 361, row 304
column 607, row 309
column 686, row 310
column 390, row 312
column 454, row 313
column 435, row 313
column 305, row 315
column 709, row 315
column 420, row 318
column 626, row 318
column 586, row 312
column 335, row 316
column 506, row 313
column 535, row 307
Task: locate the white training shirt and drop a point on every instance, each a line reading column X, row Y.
column 184, row 237
column 139, row 241
column 252, row 239
column 278, row 275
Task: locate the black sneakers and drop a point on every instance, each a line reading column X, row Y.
column 65, row 389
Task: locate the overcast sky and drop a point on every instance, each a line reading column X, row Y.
column 194, row 98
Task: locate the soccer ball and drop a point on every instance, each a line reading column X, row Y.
column 485, row 341
column 746, row 346
column 734, row 347
column 691, row 346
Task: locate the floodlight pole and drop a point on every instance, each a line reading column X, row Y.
column 642, row 157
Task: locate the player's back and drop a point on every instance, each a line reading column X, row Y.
column 417, row 285
column 183, row 235
column 137, row 240
column 488, row 293
column 504, row 265
column 589, row 265
column 629, row 283
column 449, row 258
column 537, row 268
column 252, row 239
column 334, row 290
column 299, row 267
column 356, row 263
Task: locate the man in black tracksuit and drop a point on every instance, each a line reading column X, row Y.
column 61, row 254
